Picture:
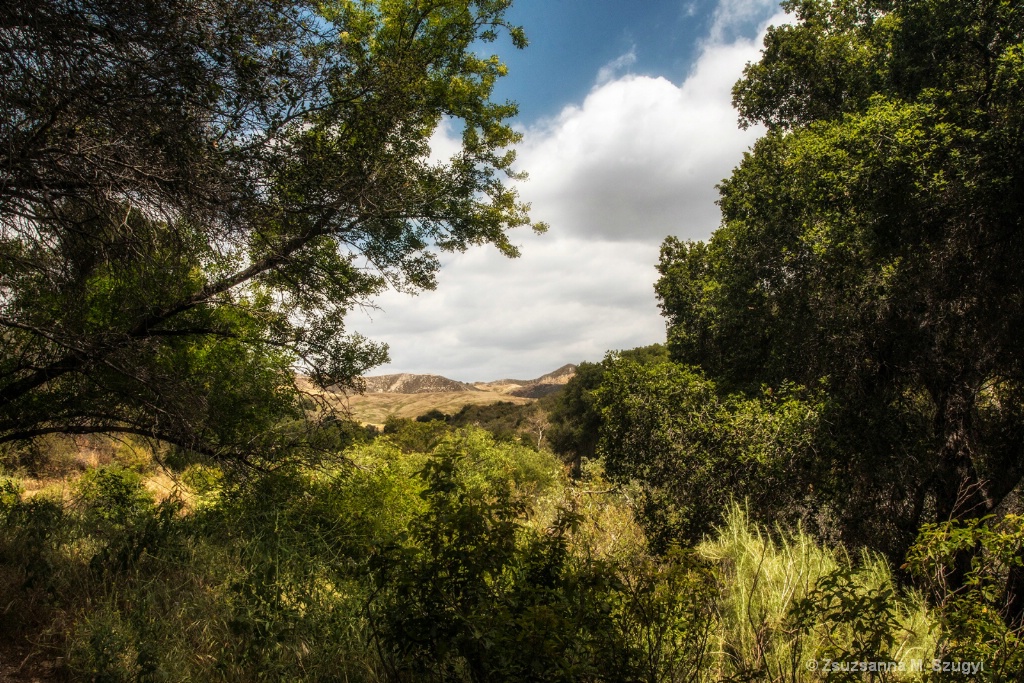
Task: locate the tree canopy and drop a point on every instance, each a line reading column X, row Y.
column 575, row 411
column 871, row 243
column 194, row 193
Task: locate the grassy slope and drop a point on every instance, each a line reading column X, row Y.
column 375, row 408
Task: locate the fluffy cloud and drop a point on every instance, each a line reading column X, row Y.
column 564, row 300
column 637, row 160
column 640, row 157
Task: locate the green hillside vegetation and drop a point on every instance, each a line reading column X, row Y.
column 525, row 423
column 478, row 560
column 817, row 477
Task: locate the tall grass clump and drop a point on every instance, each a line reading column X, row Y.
column 789, row 605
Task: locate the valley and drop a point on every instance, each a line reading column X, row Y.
column 409, row 395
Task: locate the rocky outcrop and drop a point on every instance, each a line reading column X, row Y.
column 560, row 376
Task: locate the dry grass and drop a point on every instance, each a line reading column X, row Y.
column 376, row 408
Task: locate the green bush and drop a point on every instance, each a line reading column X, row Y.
column 112, row 497
column 477, row 561
column 478, row 593
column 414, row 436
column 977, row 605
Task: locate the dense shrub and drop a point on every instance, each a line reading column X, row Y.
column 477, row 561
column 980, row 611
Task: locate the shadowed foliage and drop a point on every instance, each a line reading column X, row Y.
column 195, row 193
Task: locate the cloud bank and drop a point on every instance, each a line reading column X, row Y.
column 640, row 157
column 636, row 161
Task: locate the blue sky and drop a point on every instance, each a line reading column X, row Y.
column 571, row 40
column 627, row 124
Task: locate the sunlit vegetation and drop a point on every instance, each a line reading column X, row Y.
column 817, row 476
column 478, row 560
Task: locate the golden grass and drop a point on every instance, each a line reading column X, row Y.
column 376, row 408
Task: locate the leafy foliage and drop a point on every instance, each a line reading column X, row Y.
column 575, row 415
column 870, row 246
column 694, row 450
column 576, row 418
column 477, row 561
column 461, row 564
column 977, row 614
column 195, row 193
column 866, row 613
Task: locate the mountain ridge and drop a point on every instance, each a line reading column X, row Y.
column 413, row 383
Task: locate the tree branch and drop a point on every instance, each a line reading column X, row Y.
column 143, row 328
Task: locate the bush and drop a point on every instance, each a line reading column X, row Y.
column 478, row 561
column 477, row 593
column 46, row 456
column 413, row 436
column 978, row 605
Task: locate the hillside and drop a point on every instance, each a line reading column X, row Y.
column 376, row 408
column 531, row 388
column 406, row 383
column 411, row 395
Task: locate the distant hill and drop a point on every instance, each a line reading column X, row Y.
column 409, row 383
column 537, row 390
column 411, row 395
column 531, row 388
column 560, row 376
column 406, row 383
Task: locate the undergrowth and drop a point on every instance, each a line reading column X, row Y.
column 478, row 561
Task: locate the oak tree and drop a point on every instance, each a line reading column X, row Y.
column 193, row 193
column 872, row 244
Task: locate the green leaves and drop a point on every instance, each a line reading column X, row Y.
column 862, row 615
column 822, row 67
column 266, row 168
column 867, row 247
column 481, row 590
column 979, row 604
column 694, row 449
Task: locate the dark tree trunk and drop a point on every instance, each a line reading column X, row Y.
column 959, row 493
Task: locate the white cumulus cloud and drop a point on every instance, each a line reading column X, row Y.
column 636, row 161
column 639, row 158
